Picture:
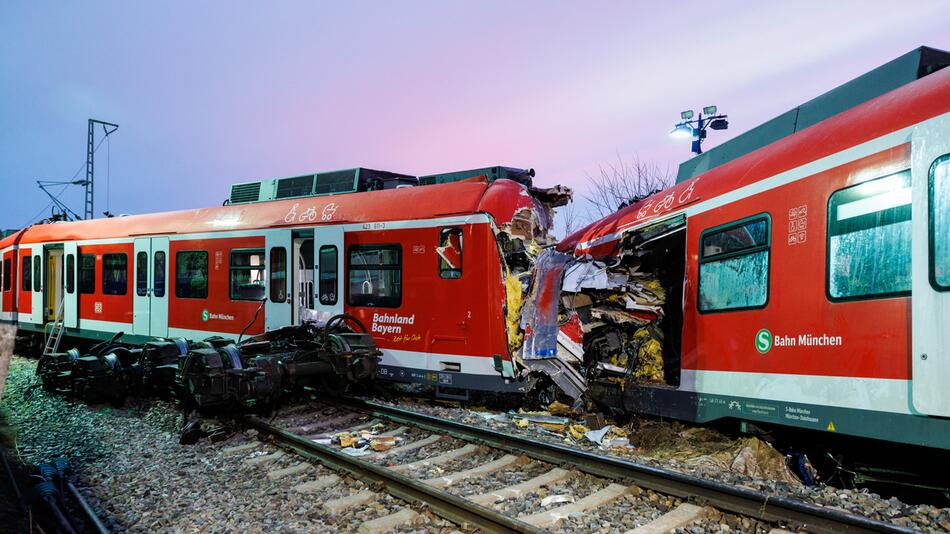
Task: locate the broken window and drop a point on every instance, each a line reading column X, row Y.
column 247, row 274
column 141, row 274
column 734, row 266
column 328, row 274
column 375, row 276
column 115, row 274
column 278, row 274
column 869, row 236
column 940, row 223
column 450, row 252
column 26, row 272
column 87, row 273
column 191, row 274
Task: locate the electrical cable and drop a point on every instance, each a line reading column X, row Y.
column 65, row 186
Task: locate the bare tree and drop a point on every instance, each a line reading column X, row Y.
column 570, row 221
column 622, row 183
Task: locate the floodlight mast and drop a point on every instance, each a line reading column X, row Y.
column 696, row 128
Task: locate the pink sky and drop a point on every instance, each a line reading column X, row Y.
column 227, row 92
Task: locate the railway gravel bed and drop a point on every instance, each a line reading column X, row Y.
column 133, row 471
column 692, row 450
column 567, row 501
column 138, row 477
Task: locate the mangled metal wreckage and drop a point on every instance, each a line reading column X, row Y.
column 607, row 315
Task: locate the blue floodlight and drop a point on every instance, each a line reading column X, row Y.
column 682, row 131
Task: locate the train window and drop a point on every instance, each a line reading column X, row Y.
column 328, row 274
column 869, row 231
column 939, row 223
column 375, row 276
column 26, row 273
column 37, row 274
column 278, row 274
column 450, row 252
column 6, row 274
column 191, row 274
column 734, row 265
column 141, row 274
column 70, row 273
column 115, row 274
column 158, row 275
column 87, row 273
column 247, row 274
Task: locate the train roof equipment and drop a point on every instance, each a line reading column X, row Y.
column 907, row 105
column 916, row 64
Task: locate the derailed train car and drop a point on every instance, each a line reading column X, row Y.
column 434, row 273
column 776, row 287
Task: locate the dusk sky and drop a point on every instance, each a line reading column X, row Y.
column 217, row 93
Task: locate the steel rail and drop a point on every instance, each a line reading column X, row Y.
column 719, row 495
column 92, row 520
column 442, row 503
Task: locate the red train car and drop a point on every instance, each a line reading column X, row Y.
column 789, row 273
column 421, row 267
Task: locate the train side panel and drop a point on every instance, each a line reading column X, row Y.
column 448, row 327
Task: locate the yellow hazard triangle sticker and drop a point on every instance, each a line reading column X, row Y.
column 831, row 426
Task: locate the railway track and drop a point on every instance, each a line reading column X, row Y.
column 50, row 503
column 436, row 460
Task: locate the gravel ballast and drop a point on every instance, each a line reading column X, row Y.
column 134, row 473
column 692, row 450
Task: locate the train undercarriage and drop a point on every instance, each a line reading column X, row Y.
column 216, row 373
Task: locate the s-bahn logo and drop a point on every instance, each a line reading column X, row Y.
column 206, row 316
column 763, row 341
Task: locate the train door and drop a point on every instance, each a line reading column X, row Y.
column 71, row 296
column 328, row 264
column 930, row 267
column 37, row 306
column 52, row 295
column 150, row 300
column 278, row 311
column 302, row 274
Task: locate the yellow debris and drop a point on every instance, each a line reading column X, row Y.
column 649, row 357
column 520, row 422
column 655, row 287
column 619, row 359
column 347, row 439
column 577, row 431
column 559, row 408
column 382, row 443
column 514, row 300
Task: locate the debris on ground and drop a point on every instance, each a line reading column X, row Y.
column 543, row 419
column 556, row 499
column 752, row 457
